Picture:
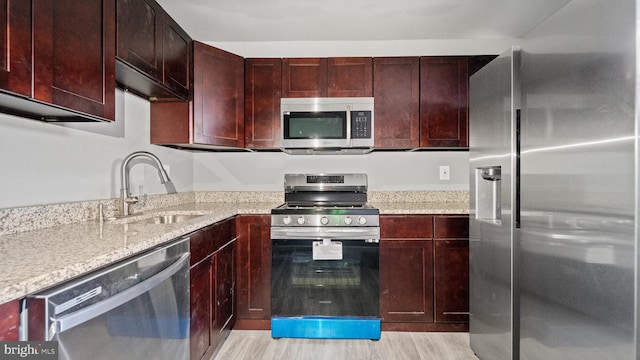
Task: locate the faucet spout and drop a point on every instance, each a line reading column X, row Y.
column 125, row 194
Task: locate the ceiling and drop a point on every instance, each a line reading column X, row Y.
column 357, row 20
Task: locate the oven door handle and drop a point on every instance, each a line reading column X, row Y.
column 368, row 234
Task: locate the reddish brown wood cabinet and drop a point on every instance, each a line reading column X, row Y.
column 424, row 272
column 74, row 55
column 215, row 116
column 350, row 77
column 332, row 77
column 9, row 320
column 212, row 287
column 263, row 89
column 451, row 282
column 406, row 268
column 396, row 89
column 154, row 55
column 305, row 77
column 15, row 45
column 253, row 271
column 59, row 53
column 444, row 97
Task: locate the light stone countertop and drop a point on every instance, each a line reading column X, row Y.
column 38, row 259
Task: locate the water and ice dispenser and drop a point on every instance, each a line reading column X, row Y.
column 488, row 188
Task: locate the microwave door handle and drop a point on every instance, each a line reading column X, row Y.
column 349, row 124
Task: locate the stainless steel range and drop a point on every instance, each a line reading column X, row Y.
column 325, row 259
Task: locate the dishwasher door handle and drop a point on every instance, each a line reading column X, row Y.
column 76, row 318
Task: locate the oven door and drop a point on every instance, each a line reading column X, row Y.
column 325, row 284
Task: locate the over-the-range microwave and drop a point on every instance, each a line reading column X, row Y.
column 327, row 125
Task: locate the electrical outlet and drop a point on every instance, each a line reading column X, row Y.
column 444, row 172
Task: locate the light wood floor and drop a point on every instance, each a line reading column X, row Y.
column 258, row 344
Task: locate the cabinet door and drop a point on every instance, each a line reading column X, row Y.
column 396, row 84
column 451, row 280
column 9, row 320
column 444, row 97
column 74, row 55
column 139, row 28
column 406, row 280
column 451, row 257
column 263, row 78
column 15, row 45
column 218, row 103
column 350, row 77
column 202, row 314
column 304, row 77
column 176, row 57
column 253, row 267
column 225, row 282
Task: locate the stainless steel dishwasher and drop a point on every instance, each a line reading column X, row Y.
column 135, row 309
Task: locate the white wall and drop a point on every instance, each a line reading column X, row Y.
column 386, row 170
column 44, row 163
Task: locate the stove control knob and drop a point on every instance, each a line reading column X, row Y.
column 362, row 220
column 324, row 220
column 286, row 220
column 348, row 220
column 301, row 220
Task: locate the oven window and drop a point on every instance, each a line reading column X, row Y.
column 316, row 125
column 302, row 286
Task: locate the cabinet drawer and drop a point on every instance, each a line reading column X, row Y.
column 451, row 227
column 406, row 227
column 201, row 245
column 222, row 233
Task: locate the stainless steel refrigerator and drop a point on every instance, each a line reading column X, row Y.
column 554, row 251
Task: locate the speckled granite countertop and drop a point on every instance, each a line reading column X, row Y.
column 37, row 259
column 34, row 260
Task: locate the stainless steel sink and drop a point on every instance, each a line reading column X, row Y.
column 165, row 219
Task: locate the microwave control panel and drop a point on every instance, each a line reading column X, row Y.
column 361, row 124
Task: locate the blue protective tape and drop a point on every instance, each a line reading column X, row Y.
column 318, row 327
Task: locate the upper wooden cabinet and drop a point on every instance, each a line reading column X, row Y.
column 350, row 77
column 396, row 89
column 262, row 93
column 444, row 98
column 60, row 57
column 327, row 77
column 304, row 78
column 15, row 41
column 215, row 116
column 74, row 55
column 154, row 52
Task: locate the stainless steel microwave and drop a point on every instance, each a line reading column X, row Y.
column 314, row 125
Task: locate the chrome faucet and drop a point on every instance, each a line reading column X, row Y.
column 125, row 195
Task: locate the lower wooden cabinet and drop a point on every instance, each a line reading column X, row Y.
column 253, row 270
column 424, row 272
column 212, row 287
column 9, row 320
column 451, row 269
column 406, row 280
